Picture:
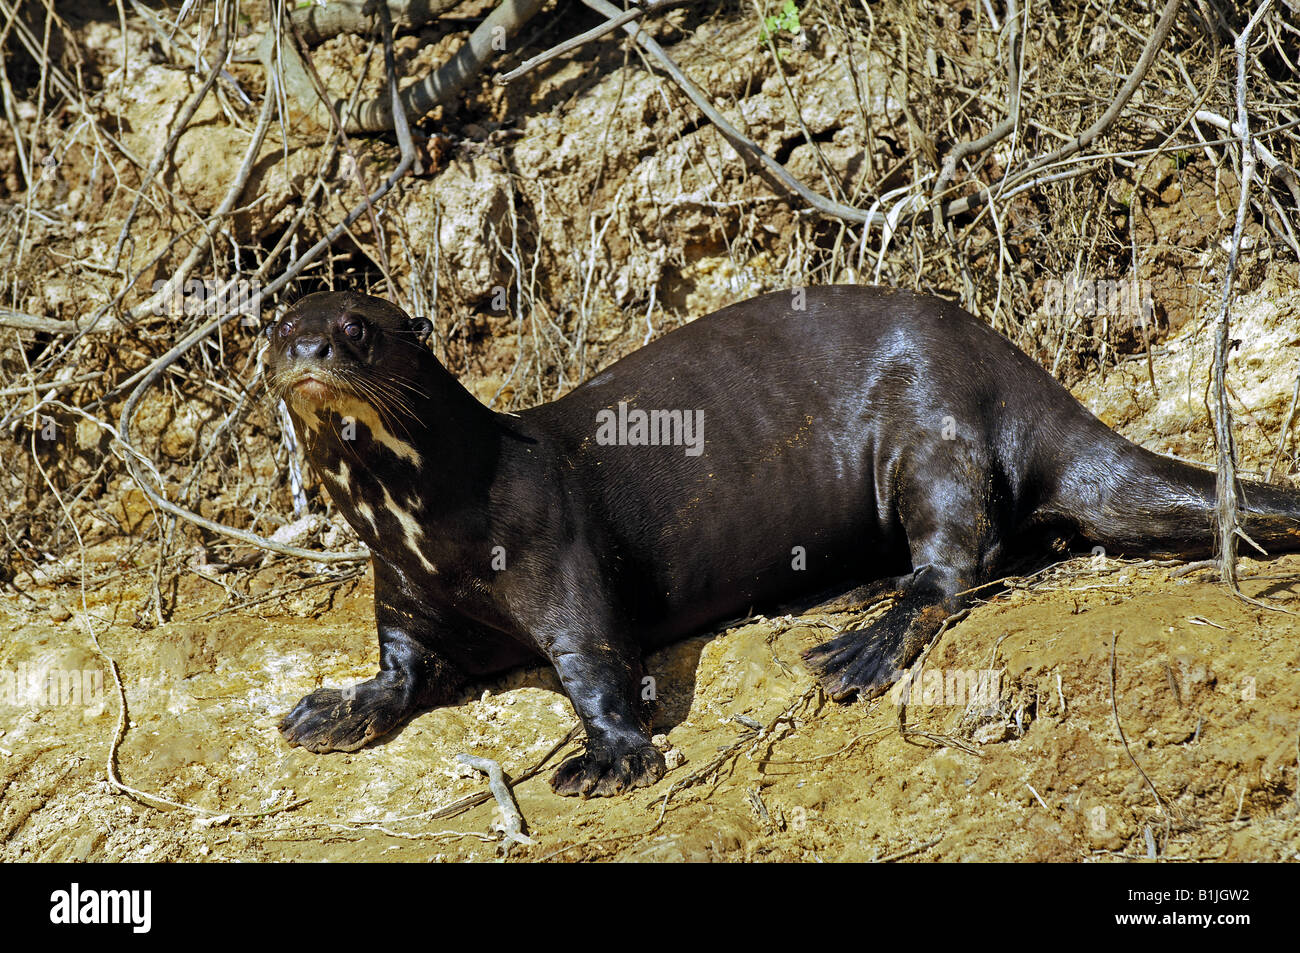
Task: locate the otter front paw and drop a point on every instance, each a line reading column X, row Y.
column 603, row 772
column 331, row 719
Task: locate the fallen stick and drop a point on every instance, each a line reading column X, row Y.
column 22, row 321
column 512, row 819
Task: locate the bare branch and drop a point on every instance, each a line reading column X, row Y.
column 1276, row 166
column 182, row 123
column 317, row 23
column 1001, row 130
column 1228, row 505
column 595, row 33
column 1085, row 138
column 745, row 146
column 32, row 322
column 376, row 115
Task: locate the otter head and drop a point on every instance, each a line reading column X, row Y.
column 335, row 348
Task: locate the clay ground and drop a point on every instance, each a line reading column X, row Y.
column 1205, row 690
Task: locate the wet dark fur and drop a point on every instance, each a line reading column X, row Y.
column 886, row 434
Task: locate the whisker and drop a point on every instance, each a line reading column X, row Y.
column 381, row 403
column 392, row 399
column 394, row 395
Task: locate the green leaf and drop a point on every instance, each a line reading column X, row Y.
column 786, row 21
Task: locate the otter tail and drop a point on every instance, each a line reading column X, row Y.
column 1140, row 502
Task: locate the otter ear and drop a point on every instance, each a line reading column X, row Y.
column 420, row 327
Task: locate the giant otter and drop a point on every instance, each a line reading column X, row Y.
column 782, row 447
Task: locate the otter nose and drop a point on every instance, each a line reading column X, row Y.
column 310, row 347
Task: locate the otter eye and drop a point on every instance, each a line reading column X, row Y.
column 354, row 331
column 286, row 328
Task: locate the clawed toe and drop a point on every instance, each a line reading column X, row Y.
column 604, row 772
column 853, row 664
column 331, row 719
